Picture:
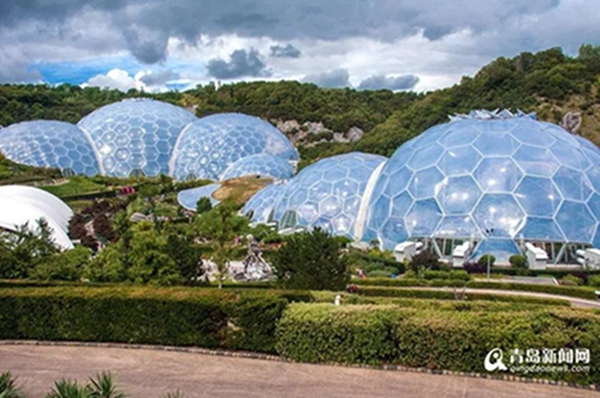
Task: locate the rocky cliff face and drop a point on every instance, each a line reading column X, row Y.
column 313, row 133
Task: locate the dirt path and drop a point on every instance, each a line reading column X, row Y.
column 150, row 373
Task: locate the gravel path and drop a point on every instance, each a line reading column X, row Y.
column 149, row 373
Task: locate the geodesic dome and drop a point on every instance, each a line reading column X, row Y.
column 46, row 143
column 327, row 194
column 210, row 145
column 497, row 178
column 262, row 204
column 135, row 135
column 263, row 165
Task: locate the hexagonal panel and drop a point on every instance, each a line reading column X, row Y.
column 426, row 183
column 572, row 184
column 536, row 161
column 594, row 205
column 538, row 196
column 499, row 215
column 425, row 157
column 458, row 195
column 496, row 144
column 459, row 137
column 570, row 156
column 401, row 204
column 423, row 218
column 497, row 175
column 457, row 227
column 459, row 161
column 538, row 228
column 576, row 221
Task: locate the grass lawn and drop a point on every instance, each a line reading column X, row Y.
column 75, row 186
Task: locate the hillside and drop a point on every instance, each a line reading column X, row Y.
column 548, row 82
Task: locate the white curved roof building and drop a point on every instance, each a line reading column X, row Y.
column 22, row 204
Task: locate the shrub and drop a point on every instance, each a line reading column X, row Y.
column 8, row 387
column 210, row 318
column 571, row 280
column 594, row 280
column 311, row 260
column 518, row 261
column 203, row 205
column 484, row 259
column 427, row 338
column 65, row 266
column 474, row 267
column 425, row 259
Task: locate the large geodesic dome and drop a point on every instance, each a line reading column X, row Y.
column 328, row 194
column 261, row 205
column 495, row 178
column 136, row 135
column 210, row 145
column 46, row 143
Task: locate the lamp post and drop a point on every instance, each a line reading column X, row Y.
column 488, row 232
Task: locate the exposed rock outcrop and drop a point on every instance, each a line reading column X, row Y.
column 313, row 133
column 571, row 122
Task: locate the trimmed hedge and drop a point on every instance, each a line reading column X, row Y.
column 572, row 291
column 451, row 340
column 443, row 305
column 376, row 291
column 232, row 319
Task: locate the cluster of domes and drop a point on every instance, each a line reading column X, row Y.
column 148, row 137
column 494, row 178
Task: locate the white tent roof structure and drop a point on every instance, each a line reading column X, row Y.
column 23, row 204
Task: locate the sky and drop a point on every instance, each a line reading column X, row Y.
column 158, row 45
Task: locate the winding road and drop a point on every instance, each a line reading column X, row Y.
column 152, row 373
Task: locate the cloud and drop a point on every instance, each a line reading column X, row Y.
column 380, row 82
column 287, row 51
column 160, row 78
column 121, row 80
column 242, row 63
column 336, row 78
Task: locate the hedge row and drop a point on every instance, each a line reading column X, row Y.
column 442, row 305
column 377, row 291
column 451, row 340
column 572, row 291
column 210, row 318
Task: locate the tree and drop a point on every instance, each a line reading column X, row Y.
column 149, row 261
column 66, row 266
column 221, row 225
column 203, row 205
column 187, row 256
column 425, row 259
column 311, row 260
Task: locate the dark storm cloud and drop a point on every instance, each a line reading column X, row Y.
column 287, row 51
column 380, row 82
column 242, row 63
column 336, row 78
column 279, row 20
column 160, row 78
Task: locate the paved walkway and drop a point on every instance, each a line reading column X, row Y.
column 149, row 373
column 575, row 302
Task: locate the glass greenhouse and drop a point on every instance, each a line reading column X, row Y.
column 138, row 137
column 47, row 143
column 135, row 135
column 210, row 145
column 496, row 179
column 328, row 194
